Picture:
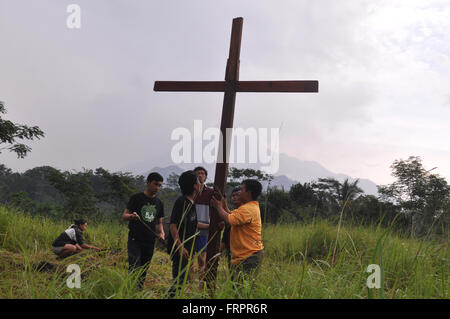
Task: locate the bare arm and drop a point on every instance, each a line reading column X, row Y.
column 218, row 205
column 159, row 228
column 225, row 206
column 127, row 215
column 202, row 226
column 86, row 246
column 224, row 215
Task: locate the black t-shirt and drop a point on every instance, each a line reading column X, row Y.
column 150, row 210
column 185, row 217
column 72, row 235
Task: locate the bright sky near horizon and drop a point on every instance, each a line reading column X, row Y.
column 383, row 68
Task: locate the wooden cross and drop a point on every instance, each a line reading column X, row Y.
column 230, row 86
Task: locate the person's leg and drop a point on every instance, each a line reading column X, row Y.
column 251, row 265
column 198, row 249
column 175, row 270
column 246, row 270
column 179, row 268
column 204, row 244
column 201, row 261
column 68, row 250
column 202, row 269
column 134, row 255
column 147, row 250
column 237, row 278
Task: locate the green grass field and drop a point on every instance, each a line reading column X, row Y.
column 300, row 261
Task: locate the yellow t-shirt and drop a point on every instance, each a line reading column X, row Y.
column 245, row 234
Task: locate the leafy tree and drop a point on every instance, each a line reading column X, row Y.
column 4, row 175
column 172, row 182
column 236, row 176
column 333, row 195
column 274, row 204
column 79, row 199
column 305, row 201
column 36, row 183
column 49, row 192
column 4, row 171
column 22, row 201
column 369, row 210
column 119, row 186
column 340, row 192
column 11, row 132
column 303, row 195
column 33, row 181
column 421, row 195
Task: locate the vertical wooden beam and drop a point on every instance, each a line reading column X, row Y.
column 220, row 180
column 230, row 86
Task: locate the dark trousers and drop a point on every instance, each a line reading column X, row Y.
column 179, row 268
column 228, row 255
column 139, row 256
column 247, row 269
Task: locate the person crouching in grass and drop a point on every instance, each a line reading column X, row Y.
column 245, row 235
column 183, row 230
column 71, row 240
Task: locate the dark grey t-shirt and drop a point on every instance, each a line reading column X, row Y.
column 150, row 209
column 185, row 217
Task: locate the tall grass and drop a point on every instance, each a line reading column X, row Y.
column 297, row 263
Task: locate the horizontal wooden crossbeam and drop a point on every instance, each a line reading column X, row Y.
column 241, row 86
column 209, row 86
column 278, row 86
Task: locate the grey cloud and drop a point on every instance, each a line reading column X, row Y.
column 91, row 89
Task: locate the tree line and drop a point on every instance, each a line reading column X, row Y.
column 416, row 202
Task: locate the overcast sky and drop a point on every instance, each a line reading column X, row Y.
column 383, row 68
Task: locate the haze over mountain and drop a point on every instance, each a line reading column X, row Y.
column 291, row 171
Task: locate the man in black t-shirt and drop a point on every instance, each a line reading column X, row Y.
column 183, row 229
column 183, row 216
column 145, row 214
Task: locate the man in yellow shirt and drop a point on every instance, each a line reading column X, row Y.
column 245, row 221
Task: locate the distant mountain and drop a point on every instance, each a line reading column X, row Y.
column 281, row 181
column 308, row 171
column 166, row 171
column 291, row 171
